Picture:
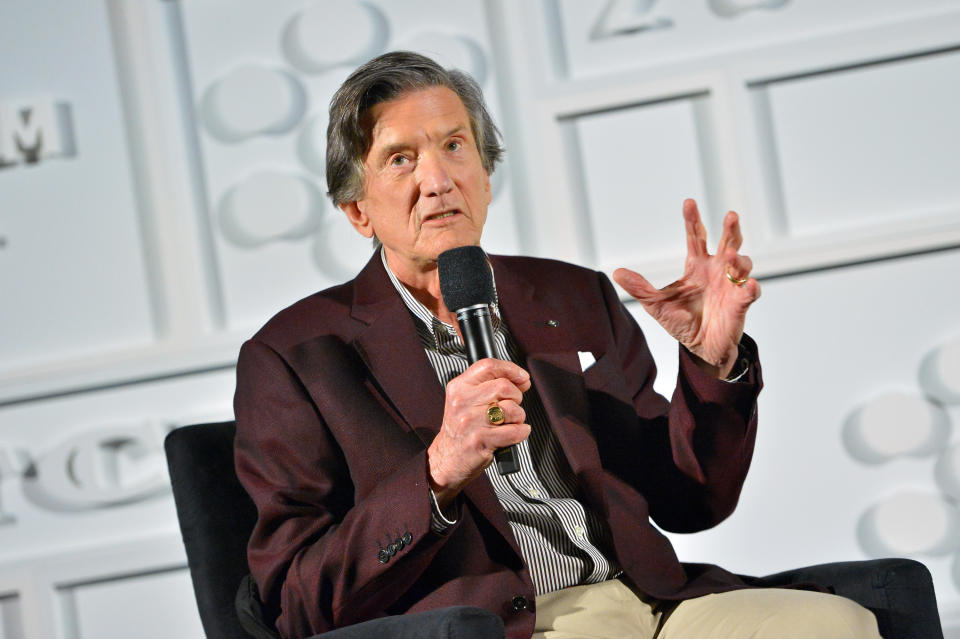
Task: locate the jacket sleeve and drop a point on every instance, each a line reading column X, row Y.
column 318, row 549
column 694, row 452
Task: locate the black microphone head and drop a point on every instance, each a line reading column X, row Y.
column 465, row 277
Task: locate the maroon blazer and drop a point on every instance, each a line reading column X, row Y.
column 336, row 405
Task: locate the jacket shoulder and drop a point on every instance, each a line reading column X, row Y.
column 539, row 268
column 326, row 312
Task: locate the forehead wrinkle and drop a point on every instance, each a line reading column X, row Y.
column 380, row 122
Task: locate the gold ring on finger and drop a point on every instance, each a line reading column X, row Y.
column 735, row 280
column 495, row 415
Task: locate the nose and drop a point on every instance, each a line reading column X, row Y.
column 432, row 175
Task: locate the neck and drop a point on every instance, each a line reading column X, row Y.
column 424, row 284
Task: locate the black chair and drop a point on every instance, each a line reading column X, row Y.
column 216, row 517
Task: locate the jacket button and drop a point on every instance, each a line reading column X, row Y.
column 383, row 555
column 520, row 603
column 407, row 538
column 393, row 548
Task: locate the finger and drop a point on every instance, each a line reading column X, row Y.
column 696, row 231
column 513, row 413
column 738, row 266
column 748, row 293
column 731, row 237
column 497, row 390
column 505, row 435
column 635, row 284
column 490, row 369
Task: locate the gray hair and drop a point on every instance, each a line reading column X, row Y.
column 382, row 79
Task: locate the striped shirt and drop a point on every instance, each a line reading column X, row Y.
column 563, row 542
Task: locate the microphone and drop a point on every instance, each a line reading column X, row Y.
column 466, row 285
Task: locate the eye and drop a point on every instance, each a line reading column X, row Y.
column 454, row 145
column 399, row 160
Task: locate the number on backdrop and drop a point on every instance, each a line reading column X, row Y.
column 629, row 17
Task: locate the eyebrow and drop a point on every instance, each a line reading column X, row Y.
column 456, row 129
column 387, row 151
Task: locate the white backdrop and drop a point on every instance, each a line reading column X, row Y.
column 161, row 195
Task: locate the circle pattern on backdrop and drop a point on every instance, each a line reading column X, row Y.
column 896, row 424
column 940, row 372
column 270, row 206
column 312, row 145
column 251, row 101
column 315, row 39
column 452, row 51
column 910, row 524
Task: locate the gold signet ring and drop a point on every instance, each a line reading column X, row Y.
column 736, row 281
column 495, row 415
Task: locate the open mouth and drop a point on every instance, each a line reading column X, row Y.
column 441, row 216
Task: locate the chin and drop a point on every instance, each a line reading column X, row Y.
column 448, row 243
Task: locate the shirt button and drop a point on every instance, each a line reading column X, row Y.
column 519, row 603
column 579, row 532
column 533, row 492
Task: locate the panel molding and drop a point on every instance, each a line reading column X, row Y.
column 743, row 179
column 122, row 368
column 186, row 300
column 39, row 582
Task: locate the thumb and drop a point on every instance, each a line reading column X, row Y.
column 635, row 284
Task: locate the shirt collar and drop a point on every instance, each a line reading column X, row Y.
column 441, row 331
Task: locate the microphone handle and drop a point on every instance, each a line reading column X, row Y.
column 476, row 326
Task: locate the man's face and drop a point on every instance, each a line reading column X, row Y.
column 425, row 188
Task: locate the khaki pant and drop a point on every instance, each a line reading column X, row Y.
column 611, row 610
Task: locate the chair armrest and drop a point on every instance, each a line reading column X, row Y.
column 456, row 622
column 898, row 591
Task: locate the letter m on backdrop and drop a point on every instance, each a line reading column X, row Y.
column 34, row 131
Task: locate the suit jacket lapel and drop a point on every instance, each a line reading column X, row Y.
column 543, row 330
column 392, row 352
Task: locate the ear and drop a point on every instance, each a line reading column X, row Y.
column 358, row 218
column 489, row 190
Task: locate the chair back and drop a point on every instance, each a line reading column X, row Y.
column 216, row 518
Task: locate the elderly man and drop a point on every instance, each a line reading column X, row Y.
column 364, row 438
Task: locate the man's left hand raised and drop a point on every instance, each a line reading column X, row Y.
column 706, row 308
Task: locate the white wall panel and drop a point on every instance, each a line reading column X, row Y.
column 157, row 606
column 72, row 271
column 11, row 623
column 95, row 467
column 868, row 145
column 637, row 165
column 599, row 37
